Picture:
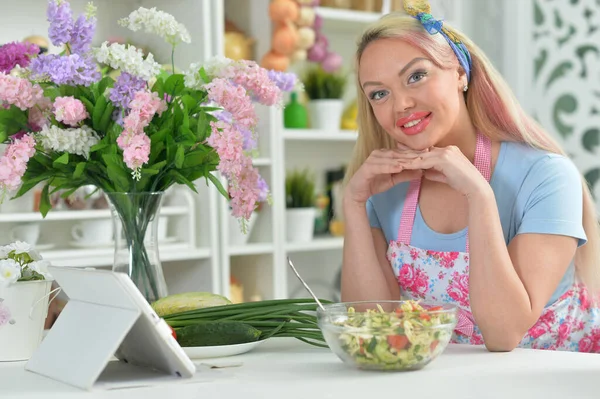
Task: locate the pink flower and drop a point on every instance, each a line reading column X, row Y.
column 563, row 331
column 19, row 92
column 5, row 315
column 137, row 153
column 586, row 345
column 406, row 276
column 234, row 100
column 458, row 289
column 414, row 254
column 585, row 300
column 537, row 330
column 14, row 162
column 69, row 110
column 148, row 104
column 421, row 282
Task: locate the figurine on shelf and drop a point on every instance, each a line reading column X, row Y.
column 238, row 46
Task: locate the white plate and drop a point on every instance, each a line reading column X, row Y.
column 208, row 352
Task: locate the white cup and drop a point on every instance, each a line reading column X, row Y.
column 27, row 232
column 93, row 232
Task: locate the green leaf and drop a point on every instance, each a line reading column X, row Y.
column 174, row 84
column 98, row 147
column 156, row 150
column 99, row 109
column 105, row 83
column 12, row 120
column 62, row 160
column 161, row 135
column 45, row 204
column 88, row 105
column 106, row 117
column 203, row 130
column 203, row 75
column 158, row 165
column 150, row 172
column 159, row 88
column 31, row 182
column 189, row 102
column 179, row 157
column 79, row 169
column 181, row 179
column 84, row 92
column 51, row 92
column 66, row 90
column 116, row 172
column 218, row 185
column 171, row 148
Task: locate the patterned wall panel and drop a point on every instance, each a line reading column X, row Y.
column 566, row 87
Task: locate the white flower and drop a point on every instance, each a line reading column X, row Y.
column 41, row 267
column 157, row 22
column 128, row 59
column 213, row 67
column 73, row 140
column 10, row 271
column 20, row 247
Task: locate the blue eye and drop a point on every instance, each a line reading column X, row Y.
column 377, row 95
column 417, row 76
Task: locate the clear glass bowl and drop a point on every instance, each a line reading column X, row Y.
column 387, row 335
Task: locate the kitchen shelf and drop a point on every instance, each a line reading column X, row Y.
column 262, row 162
column 317, row 244
column 251, row 249
column 347, row 16
column 104, row 256
column 319, row 135
column 79, row 215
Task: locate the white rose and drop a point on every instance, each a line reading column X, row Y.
column 41, row 267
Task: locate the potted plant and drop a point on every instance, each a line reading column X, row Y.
column 301, row 212
column 24, row 297
column 67, row 126
column 325, row 90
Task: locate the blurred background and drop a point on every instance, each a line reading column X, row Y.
column 547, row 50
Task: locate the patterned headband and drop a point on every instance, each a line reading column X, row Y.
column 421, row 10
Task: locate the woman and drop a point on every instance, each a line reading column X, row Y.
column 455, row 195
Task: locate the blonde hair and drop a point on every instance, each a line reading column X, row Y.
column 492, row 107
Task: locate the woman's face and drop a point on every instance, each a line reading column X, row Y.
column 414, row 101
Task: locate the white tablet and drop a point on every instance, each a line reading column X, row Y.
column 106, row 315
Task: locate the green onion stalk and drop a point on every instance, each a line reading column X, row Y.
column 294, row 318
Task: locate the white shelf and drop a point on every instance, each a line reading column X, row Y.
column 79, row 215
column 251, row 249
column 319, row 135
column 317, row 244
column 104, row 256
column 348, row 16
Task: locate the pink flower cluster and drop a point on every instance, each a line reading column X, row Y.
column 69, row 110
column 458, row 289
column 413, row 279
column 14, row 162
column 257, row 82
column 133, row 141
column 19, row 92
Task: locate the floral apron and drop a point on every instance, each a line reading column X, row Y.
column 570, row 323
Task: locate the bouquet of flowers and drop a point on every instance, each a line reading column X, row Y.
column 68, row 126
column 19, row 262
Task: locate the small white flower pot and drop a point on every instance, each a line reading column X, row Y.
column 236, row 237
column 326, row 114
column 300, row 224
column 23, row 311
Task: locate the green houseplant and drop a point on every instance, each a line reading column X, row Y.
column 300, row 212
column 325, row 91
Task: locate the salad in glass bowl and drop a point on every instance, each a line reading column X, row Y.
column 387, row 335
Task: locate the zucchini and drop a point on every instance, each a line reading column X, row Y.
column 215, row 333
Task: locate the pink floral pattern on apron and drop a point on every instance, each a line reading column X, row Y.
column 570, row 323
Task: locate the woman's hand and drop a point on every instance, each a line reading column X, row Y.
column 380, row 172
column 447, row 165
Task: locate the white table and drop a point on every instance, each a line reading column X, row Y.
column 289, row 369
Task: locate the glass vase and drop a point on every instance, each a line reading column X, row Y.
column 135, row 219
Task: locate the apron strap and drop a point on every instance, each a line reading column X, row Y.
column 483, row 163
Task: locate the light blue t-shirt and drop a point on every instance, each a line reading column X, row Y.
column 536, row 192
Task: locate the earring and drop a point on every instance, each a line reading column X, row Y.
column 466, row 88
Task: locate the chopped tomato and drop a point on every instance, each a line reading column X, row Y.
column 433, row 345
column 397, row 341
column 435, row 308
column 173, row 333
column 425, row 316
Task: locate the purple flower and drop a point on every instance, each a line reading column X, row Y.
column 263, row 189
column 117, row 116
column 82, row 34
column 125, row 88
column 66, row 70
column 285, row 81
column 61, row 21
column 15, row 53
